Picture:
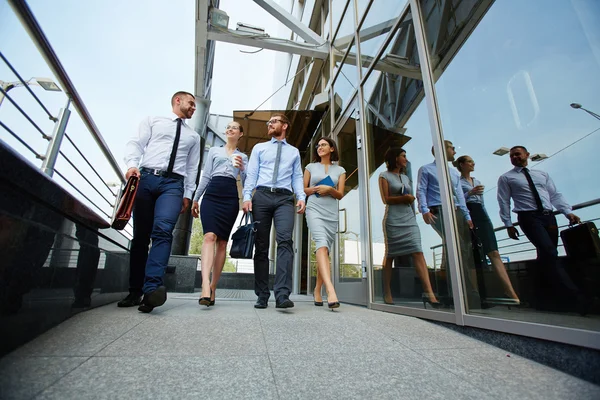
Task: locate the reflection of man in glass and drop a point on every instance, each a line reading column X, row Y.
column 428, row 196
column 534, row 195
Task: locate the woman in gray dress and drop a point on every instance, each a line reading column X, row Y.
column 402, row 235
column 324, row 186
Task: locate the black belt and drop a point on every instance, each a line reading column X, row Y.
column 159, row 172
column 274, row 190
column 543, row 212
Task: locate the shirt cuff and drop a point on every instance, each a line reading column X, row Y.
column 188, row 194
column 132, row 164
column 247, row 197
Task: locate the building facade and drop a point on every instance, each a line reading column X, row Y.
column 486, row 76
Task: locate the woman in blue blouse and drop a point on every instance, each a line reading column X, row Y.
column 220, row 206
column 473, row 191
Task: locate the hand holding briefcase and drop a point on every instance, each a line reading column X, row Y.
column 125, row 203
column 243, row 238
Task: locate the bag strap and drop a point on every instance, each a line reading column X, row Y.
column 245, row 218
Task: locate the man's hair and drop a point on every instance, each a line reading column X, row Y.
column 334, row 155
column 447, row 143
column 519, row 147
column 180, row 94
column 284, row 120
column 390, row 157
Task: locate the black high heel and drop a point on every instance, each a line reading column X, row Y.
column 212, row 302
column 317, row 303
column 435, row 304
column 335, row 304
column 205, row 301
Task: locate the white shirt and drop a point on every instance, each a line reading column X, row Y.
column 151, row 148
column 514, row 184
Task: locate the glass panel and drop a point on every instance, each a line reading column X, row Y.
column 361, row 6
column 512, row 84
column 345, row 34
column 345, row 84
column 350, row 254
column 380, row 19
column 407, row 267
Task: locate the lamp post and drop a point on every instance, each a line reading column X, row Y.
column 578, row 106
column 46, row 83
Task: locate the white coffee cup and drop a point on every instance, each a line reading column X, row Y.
column 236, row 160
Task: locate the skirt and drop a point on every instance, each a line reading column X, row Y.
column 220, row 207
column 484, row 227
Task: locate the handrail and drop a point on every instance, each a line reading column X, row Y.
column 579, row 206
column 28, row 20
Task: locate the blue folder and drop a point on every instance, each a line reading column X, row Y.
column 325, row 181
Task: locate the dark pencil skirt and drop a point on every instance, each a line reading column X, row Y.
column 485, row 229
column 220, row 206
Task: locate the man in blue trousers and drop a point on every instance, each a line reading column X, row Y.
column 164, row 154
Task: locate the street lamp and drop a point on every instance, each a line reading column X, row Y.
column 46, row 84
column 577, row 106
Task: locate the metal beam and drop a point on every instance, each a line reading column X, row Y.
column 309, row 83
column 290, row 21
column 385, row 65
column 201, row 38
column 263, row 42
column 367, row 33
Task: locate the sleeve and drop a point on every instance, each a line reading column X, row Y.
column 298, row 178
column 206, row 174
column 134, row 149
column 556, row 198
column 191, row 169
column 243, row 173
column 422, row 182
column 503, row 197
column 460, row 198
column 251, row 173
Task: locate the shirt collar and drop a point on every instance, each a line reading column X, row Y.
column 175, row 116
column 518, row 169
column 273, row 140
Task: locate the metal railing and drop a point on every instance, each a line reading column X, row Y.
column 84, row 178
column 437, row 254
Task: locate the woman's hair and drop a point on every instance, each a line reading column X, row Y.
column 460, row 160
column 240, row 126
column 334, row 155
column 390, row 157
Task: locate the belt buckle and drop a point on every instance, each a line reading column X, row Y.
column 545, row 212
column 156, row 172
column 272, row 189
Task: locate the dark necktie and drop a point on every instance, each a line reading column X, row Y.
column 536, row 195
column 277, row 159
column 175, row 145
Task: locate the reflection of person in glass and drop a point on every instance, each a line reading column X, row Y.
column 324, row 186
column 473, row 190
column 220, row 206
column 534, row 195
column 430, row 205
column 402, row 236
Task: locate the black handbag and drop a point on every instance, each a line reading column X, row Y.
column 243, row 238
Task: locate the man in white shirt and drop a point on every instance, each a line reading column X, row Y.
column 165, row 154
column 534, row 196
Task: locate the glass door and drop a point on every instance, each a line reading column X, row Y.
column 349, row 264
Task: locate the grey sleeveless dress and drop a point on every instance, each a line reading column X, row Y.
column 402, row 235
column 322, row 212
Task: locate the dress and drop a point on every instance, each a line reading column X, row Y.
column 481, row 220
column 402, row 235
column 322, row 211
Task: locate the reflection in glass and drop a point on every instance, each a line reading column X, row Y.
column 401, row 233
column 483, row 235
column 502, row 85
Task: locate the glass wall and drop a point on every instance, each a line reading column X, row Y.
column 512, row 84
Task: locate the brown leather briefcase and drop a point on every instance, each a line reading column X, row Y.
column 125, row 204
column 581, row 241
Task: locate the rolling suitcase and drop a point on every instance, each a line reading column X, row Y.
column 581, row 241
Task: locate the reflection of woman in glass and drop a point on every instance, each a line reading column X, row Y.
column 473, row 191
column 324, row 186
column 402, row 236
column 220, row 206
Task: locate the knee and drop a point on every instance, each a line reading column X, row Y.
column 210, row 238
column 221, row 245
column 286, row 243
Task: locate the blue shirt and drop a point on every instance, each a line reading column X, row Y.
column 514, row 184
column 218, row 163
column 428, row 189
column 261, row 165
column 466, row 187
